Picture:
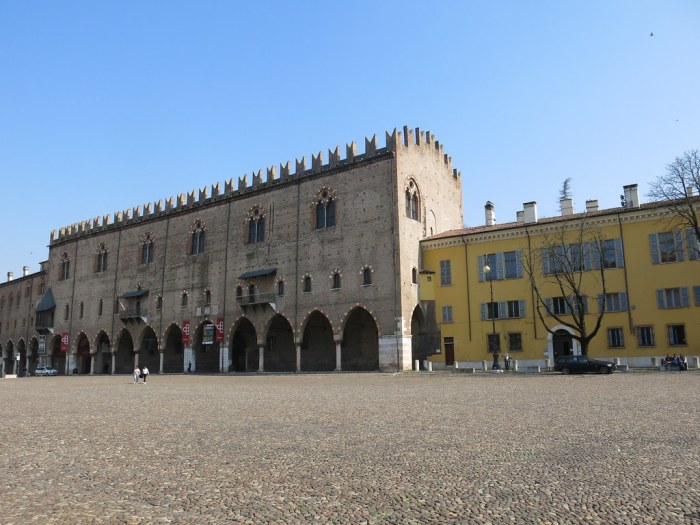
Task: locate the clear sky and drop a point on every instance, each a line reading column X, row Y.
column 112, row 104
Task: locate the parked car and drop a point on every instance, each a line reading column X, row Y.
column 46, row 371
column 575, row 364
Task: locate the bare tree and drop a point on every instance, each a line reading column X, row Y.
column 571, row 264
column 679, row 188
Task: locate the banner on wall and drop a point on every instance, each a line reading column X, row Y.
column 64, row 342
column 42, row 345
column 185, row 332
column 208, row 334
column 219, row 329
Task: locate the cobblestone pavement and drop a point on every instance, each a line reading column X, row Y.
column 352, row 448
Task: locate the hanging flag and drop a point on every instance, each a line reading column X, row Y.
column 185, row 332
column 219, row 329
column 64, row 342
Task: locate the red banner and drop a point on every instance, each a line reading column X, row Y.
column 219, row 329
column 64, row 342
column 185, row 332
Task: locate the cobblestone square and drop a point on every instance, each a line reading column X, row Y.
column 352, row 448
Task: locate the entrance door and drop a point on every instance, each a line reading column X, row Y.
column 561, row 344
column 449, row 351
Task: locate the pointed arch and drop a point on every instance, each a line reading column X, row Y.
column 360, row 347
column 280, row 351
column 317, row 344
column 173, row 350
column 244, row 346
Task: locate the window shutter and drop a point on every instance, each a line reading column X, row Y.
column 597, row 254
column 670, row 334
column 601, row 302
column 619, row 253
column 696, row 294
column 678, row 245
column 500, row 266
column 586, row 255
column 545, row 261
column 521, row 305
column 519, row 263
column 693, row 245
column 685, row 301
column 660, row 298
column 483, row 312
column 623, row 301
column 654, row 245
column 548, row 305
column 502, row 309
column 481, row 268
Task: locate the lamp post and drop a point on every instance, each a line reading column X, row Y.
column 493, row 343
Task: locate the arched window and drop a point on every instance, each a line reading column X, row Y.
column 251, row 290
column 147, row 249
column 367, row 276
column 280, row 288
column 64, row 267
column 183, row 299
column 414, row 275
column 159, row 302
column 325, row 214
column 412, row 201
column 256, row 225
column 100, row 303
column 239, row 291
column 138, row 307
column 82, row 309
column 336, row 280
column 207, row 296
column 101, row 263
column 198, row 234
column 307, row 284
column 66, row 312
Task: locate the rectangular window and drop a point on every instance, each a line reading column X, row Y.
column 445, row 273
column 696, row 295
column 447, row 314
column 673, row 297
column 502, row 265
column 512, row 263
column 645, row 335
column 147, row 253
column 693, row 244
column 515, row 342
column 666, row 247
column 516, row 309
column 494, row 342
column 676, row 335
column 616, row 338
column 559, row 306
column 613, row 302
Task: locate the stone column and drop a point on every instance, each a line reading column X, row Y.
column 114, row 361
column 338, row 357
column 189, row 360
column 223, row 359
column 92, row 364
column 298, row 345
column 160, row 364
column 261, row 358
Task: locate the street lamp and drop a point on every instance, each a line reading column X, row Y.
column 493, row 342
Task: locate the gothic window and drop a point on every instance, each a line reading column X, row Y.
column 207, row 296
column 82, row 309
column 198, row 234
column 366, row 276
column 101, row 261
column 159, row 302
column 307, row 284
column 66, row 312
column 99, row 306
column 239, row 291
column 324, row 204
column 64, row 266
column 183, row 299
column 147, row 249
column 414, row 275
column 336, row 280
column 280, row 288
column 412, row 201
column 256, row 225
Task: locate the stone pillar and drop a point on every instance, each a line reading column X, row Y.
column 223, row 359
column 189, row 364
column 338, row 357
column 298, row 345
column 71, row 360
column 261, row 358
column 92, row 364
column 114, row 361
column 160, row 364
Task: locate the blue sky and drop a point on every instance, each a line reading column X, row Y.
column 108, row 105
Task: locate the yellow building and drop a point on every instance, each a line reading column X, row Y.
column 635, row 263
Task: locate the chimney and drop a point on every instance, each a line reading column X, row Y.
column 520, row 217
column 591, row 205
column 25, row 271
column 567, row 207
column 530, row 212
column 691, row 191
column 631, row 196
column 490, row 213
column 10, row 276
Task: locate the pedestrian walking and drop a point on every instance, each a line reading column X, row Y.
column 145, row 373
column 137, row 374
column 506, row 360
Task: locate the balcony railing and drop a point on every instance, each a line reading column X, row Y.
column 258, row 298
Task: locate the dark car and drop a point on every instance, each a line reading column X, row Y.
column 576, row 364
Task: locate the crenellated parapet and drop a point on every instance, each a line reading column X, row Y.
column 395, row 142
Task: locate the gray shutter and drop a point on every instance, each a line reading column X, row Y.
column 654, row 245
column 548, row 304
column 545, row 261
column 500, row 266
column 502, row 310
column 693, row 245
column 623, row 301
column 696, row 294
column 601, row 302
column 483, row 312
column 586, row 255
column 597, row 254
column 521, row 306
column 660, row 298
column 685, row 300
column 481, row 268
column 519, row 263
column 619, row 253
column 678, row 245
